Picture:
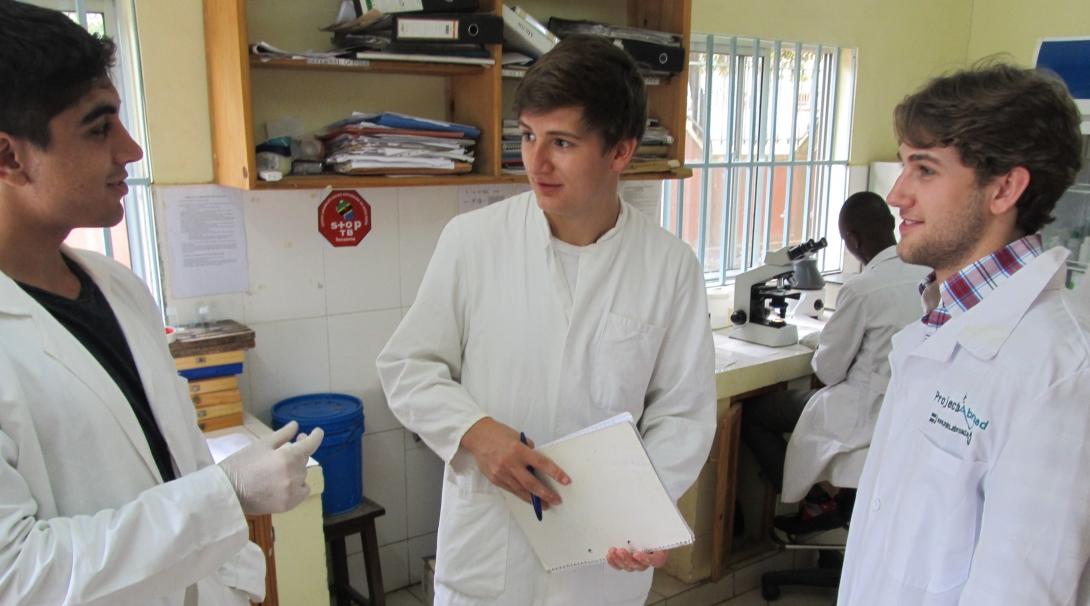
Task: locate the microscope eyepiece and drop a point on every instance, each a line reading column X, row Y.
column 801, row 250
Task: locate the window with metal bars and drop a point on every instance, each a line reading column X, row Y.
column 767, row 138
column 131, row 242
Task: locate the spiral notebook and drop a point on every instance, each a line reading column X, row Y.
column 615, row 499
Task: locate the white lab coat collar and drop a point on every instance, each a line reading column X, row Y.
column 545, row 235
column 983, row 330
column 60, row 345
column 886, row 254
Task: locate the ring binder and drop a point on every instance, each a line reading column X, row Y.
column 478, row 28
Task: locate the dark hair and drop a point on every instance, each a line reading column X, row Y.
column 866, row 212
column 997, row 117
column 47, row 63
column 593, row 74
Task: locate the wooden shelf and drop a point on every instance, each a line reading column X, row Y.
column 473, row 93
column 351, row 182
column 678, row 173
column 370, row 66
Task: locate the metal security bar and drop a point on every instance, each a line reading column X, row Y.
column 768, row 152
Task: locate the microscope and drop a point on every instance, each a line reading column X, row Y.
column 761, row 295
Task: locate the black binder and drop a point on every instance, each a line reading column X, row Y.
column 655, row 57
column 478, row 28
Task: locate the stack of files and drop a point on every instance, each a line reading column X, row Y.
column 566, row 27
column 218, row 402
column 615, row 499
column 515, row 64
column 656, row 141
column 431, row 53
column 653, row 151
column 523, row 33
column 651, row 165
column 511, row 153
column 211, row 357
column 397, row 144
column 421, row 37
column 656, row 53
column 338, row 56
column 213, row 337
column 210, row 365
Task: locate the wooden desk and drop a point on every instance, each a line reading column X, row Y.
column 742, row 370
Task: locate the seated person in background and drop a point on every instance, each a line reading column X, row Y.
column 831, row 427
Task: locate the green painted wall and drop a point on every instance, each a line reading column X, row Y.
column 175, row 89
column 900, row 46
column 1015, row 26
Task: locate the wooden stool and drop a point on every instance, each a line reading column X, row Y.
column 359, row 520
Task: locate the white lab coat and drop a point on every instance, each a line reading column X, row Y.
column 831, row 438
column 494, row 332
column 84, row 515
column 976, row 489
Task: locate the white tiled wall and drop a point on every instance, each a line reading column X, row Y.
column 321, row 315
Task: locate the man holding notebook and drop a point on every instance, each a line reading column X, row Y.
column 546, row 313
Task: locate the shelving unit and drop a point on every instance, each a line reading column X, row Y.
column 244, row 90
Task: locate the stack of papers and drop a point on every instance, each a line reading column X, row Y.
column 267, row 52
column 511, row 157
column 397, row 144
column 652, row 156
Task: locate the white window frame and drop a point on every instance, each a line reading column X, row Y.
column 747, row 164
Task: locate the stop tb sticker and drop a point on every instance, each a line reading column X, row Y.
column 344, row 218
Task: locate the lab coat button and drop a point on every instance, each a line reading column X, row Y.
column 877, row 504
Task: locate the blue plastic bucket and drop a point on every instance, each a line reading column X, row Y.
column 341, row 418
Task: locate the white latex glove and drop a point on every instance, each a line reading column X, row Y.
column 269, row 476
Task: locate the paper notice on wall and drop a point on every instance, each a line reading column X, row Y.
column 645, row 196
column 472, row 197
column 206, row 237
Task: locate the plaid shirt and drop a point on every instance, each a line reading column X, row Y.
column 961, row 291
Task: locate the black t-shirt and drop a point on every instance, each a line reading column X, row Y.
column 92, row 322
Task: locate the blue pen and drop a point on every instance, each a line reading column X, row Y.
column 536, row 500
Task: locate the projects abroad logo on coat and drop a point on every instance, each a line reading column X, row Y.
column 969, row 420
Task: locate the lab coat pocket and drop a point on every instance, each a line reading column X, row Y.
column 939, row 547
column 472, row 542
column 621, row 363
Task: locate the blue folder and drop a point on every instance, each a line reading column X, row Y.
column 208, row 372
column 396, row 120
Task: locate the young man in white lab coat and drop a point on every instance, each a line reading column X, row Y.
column 975, row 488
column 546, row 313
column 831, row 427
column 108, row 494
